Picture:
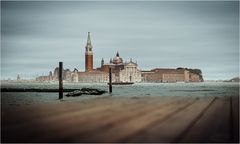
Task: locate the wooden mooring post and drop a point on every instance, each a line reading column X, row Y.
column 110, row 80
column 60, row 77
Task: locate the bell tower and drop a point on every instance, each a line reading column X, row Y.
column 102, row 62
column 88, row 55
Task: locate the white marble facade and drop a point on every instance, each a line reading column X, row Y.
column 130, row 73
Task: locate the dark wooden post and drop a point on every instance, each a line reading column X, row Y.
column 60, row 77
column 110, row 80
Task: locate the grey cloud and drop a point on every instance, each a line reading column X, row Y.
column 156, row 34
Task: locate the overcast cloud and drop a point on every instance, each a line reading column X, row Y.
column 37, row 35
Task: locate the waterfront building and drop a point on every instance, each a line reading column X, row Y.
column 42, row 79
column 74, row 76
column 67, row 75
column 55, row 74
column 18, row 78
column 122, row 71
column 169, row 75
column 50, row 76
column 130, row 73
column 93, row 76
column 194, row 77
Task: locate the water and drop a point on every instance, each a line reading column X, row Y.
column 135, row 90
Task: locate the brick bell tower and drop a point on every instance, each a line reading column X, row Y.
column 88, row 55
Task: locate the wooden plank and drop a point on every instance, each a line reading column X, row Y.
column 234, row 119
column 68, row 117
column 213, row 126
column 174, row 126
column 119, row 131
column 30, row 113
column 109, row 118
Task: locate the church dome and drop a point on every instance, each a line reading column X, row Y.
column 117, row 59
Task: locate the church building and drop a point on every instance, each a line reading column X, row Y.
column 121, row 71
column 124, row 71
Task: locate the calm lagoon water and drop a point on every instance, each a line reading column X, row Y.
column 135, row 90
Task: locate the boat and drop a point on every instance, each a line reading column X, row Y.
column 122, row 83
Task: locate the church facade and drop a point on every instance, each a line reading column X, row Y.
column 123, row 71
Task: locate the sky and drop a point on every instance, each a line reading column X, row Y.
column 35, row 36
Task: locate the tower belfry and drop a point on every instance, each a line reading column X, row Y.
column 88, row 55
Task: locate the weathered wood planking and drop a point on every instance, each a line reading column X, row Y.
column 120, row 131
column 80, row 116
column 122, row 119
column 234, row 119
column 212, row 126
column 35, row 113
column 173, row 126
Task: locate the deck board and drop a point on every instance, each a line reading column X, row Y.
column 235, row 119
column 122, row 119
column 213, row 126
column 119, row 130
column 174, row 126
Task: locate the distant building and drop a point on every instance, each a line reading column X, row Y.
column 169, row 75
column 50, row 76
column 55, row 73
column 74, row 76
column 67, row 75
column 194, row 77
column 122, row 71
column 18, row 78
column 43, row 79
column 93, row 76
column 130, row 73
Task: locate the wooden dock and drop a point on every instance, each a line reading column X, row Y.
column 122, row 119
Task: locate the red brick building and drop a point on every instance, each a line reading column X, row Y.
column 169, row 75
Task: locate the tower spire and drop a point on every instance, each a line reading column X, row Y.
column 89, row 39
column 89, row 44
column 102, row 62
